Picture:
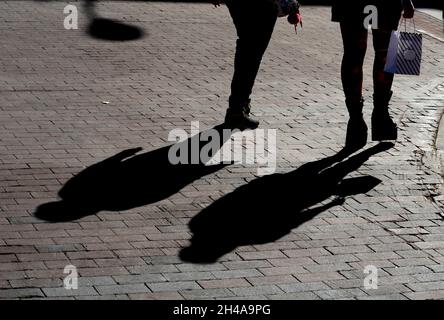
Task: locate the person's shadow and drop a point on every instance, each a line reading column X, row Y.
column 125, row 180
column 268, row 208
column 109, row 29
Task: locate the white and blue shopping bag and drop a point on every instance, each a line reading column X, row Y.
column 404, row 53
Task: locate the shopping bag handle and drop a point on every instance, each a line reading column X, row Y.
column 405, row 23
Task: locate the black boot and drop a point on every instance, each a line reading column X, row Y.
column 383, row 127
column 356, row 129
column 238, row 117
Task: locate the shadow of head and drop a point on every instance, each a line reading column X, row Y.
column 359, row 185
column 269, row 208
column 62, row 211
column 107, row 29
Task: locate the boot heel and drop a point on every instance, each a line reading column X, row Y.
column 238, row 117
column 357, row 130
column 383, row 127
column 356, row 134
column 384, row 130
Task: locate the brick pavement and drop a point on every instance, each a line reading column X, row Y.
column 54, row 123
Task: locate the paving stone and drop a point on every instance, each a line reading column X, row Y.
column 20, row 293
column 207, row 294
column 303, row 287
column 62, row 292
column 122, row 288
column 269, row 280
column 256, row 290
column 295, row 296
column 174, row 286
column 340, row 294
column 186, row 276
column 225, row 283
column 237, row 274
column 429, row 295
column 156, row 296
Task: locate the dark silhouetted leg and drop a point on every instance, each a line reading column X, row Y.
column 383, row 127
column 355, row 46
column 254, row 21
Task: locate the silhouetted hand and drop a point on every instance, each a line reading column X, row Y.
column 295, row 17
column 409, row 9
column 216, row 2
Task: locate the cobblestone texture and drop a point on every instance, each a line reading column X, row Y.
column 53, row 124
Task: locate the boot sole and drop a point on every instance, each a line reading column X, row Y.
column 389, row 132
column 240, row 126
column 384, row 136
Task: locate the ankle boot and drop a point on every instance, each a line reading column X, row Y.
column 356, row 129
column 238, row 117
column 383, row 127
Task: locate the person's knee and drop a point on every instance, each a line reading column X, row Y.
column 254, row 42
column 360, row 48
column 354, row 58
column 355, row 51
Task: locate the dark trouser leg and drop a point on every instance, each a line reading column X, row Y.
column 383, row 127
column 254, row 21
column 355, row 46
column 354, row 38
column 382, row 81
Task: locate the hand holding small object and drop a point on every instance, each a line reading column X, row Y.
column 295, row 18
column 216, row 3
column 409, row 9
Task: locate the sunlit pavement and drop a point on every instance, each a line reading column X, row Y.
column 69, row 101
column 434, row 13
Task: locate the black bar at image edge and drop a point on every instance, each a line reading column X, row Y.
column 203, row 309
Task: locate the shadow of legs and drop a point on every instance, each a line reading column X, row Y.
column 268, row 208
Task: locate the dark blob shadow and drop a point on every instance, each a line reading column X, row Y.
column 268, row 208
column 125, row 180
column 112, row 30
column 108, row 29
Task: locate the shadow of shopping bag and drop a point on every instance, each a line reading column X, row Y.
column 404, row 53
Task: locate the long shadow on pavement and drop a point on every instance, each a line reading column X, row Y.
column 268, row 208
column 127, row 181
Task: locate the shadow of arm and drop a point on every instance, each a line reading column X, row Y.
column 309, row 214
